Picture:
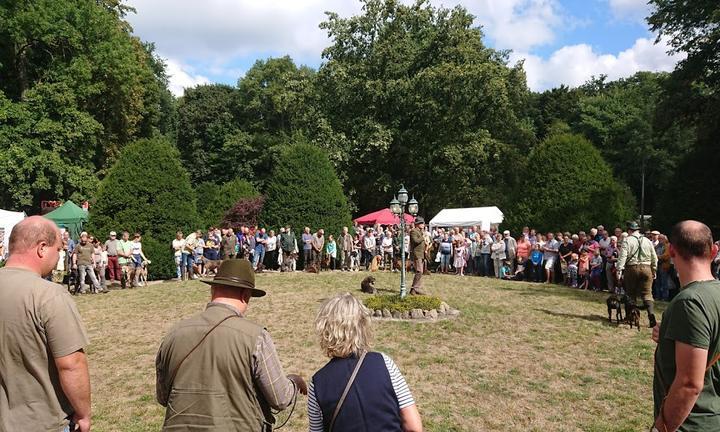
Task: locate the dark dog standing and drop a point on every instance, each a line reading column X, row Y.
column 613, row 303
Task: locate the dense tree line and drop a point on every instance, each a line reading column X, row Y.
column 405, row 94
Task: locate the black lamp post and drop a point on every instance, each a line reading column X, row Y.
column 398, row 206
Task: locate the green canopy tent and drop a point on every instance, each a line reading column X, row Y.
column 69, row 216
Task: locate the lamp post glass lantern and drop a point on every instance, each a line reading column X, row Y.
column 398, row 206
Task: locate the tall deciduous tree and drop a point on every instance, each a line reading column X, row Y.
column 75, row 87
column 420, row 100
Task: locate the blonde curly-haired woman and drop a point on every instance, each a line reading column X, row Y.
column 377, row 397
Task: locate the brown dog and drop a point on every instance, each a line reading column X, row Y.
column 211, row 265
column 375, row 263
column 312, row 268
column 368, row 285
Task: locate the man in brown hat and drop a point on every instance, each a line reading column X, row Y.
column 219, row 371
column 417, row 249
column 638, row 263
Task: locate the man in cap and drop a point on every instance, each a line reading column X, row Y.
column 417, row 250
column 637, row 266
column 111, row 246
column 510, row 249
column 218, row 371
column 43, row 368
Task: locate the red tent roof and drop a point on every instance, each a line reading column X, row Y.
column 382, row 217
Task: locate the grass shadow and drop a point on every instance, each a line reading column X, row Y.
column 591, row 317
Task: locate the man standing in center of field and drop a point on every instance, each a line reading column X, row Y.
column 637, row 266
column 417, row 250
column 218, row 371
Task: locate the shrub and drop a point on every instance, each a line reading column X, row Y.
column 147, row 190
column 213, row 200
column 162, row 257
column 245, row 212
column 305, row 191
column 569, row 186
column 395, row 303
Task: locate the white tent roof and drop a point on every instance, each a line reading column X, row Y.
column 8, row 219
column 464, row 217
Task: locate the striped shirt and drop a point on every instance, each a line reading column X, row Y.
column 402, row 392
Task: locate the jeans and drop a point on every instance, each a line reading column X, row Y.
column 179, row 266
column 186, row 264
column 445, row 261
column 486, row 264
column 88, row 269
column 114, row 270
column 258, row 257
column 307, row 257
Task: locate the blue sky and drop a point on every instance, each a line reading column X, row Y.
column 560, row 41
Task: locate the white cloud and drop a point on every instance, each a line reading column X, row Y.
column 181, row 77
column 574, row 64
column 219, row 30
column 632, row 10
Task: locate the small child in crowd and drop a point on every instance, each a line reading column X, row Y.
column 536, row 258
column 596, row 263
column 583, row 270
column 573, row 271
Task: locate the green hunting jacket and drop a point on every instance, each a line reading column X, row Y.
column 213, row 389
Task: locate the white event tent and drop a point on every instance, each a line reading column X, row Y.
column 466, row 217
column 8, row 219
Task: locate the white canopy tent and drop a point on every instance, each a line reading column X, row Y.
column 8, row 219
column 466, row 217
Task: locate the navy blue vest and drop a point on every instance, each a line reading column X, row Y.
column 371, row 403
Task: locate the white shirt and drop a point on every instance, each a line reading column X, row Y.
column 178, row 245
column 271, row 243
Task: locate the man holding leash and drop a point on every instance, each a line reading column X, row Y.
column 638, row 263
column 687, row 373
column 218, row 371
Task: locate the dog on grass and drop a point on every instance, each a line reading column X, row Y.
column 260, row 267
column 633, row 317
column 613, row 304
column 211, row 265
column 312, row 268
column 397, row 264
column 368, row 285
column 354, row 261
column 375, row 263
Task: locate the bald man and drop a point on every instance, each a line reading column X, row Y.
column 687, row 373
column 43, row 368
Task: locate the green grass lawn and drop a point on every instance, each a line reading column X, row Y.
column 520, row 356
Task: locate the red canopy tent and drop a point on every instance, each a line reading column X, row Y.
column 382, row 217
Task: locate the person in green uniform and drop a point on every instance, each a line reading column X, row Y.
column 417, row 250
column 686, row 384
column 219, row 371
column 637, row 267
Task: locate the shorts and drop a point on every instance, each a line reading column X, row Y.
column 550, row 263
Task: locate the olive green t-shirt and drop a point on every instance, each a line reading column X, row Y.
column 38, row 322
column 84, row 253
column 693, row 317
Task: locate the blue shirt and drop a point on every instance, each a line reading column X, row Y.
column 536, row 257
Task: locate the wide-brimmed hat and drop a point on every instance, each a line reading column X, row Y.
column 237, row 273
column 419, row 220
column 632, row 225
